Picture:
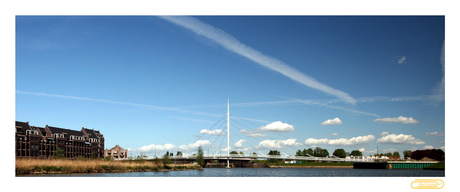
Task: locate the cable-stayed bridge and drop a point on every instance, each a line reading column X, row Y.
column 238, row 157
column 225, row 132
column 281, row 157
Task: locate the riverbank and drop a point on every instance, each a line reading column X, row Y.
column 330, row 166
column 59, row 166
column 438, row 166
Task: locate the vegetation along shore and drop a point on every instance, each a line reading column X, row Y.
column 49, row 166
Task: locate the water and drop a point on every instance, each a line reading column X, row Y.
column 269, row 172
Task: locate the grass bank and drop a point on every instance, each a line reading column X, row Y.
column 438, row 166
column 49, row 166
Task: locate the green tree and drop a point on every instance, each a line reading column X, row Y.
column 356, row 153
column 166, row 160
column 274, row 152
column 325, row 153
column 179, row 154
column 407, row 154
column 233, row 152
column 299, row 153
column 308, row 151
column 157, row 161
column 396, row 154
column 305, row 152
column 200, row 157
column 319, row 152
column 93, row 156
column 389, row 154
column 108, row 158
column 340, row 153
column 58, row 153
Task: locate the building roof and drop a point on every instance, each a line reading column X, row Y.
column 92, row 133
column 117, row 147
column 22, row 126
column 42, row 130
column 67, row 131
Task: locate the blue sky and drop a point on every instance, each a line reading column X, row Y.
column 155, row 84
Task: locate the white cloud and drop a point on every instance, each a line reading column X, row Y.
column 390, row 150
column 341, row 142
column 225, row 149
column 232, row 44
column 170, row 147
column 277, row 126
column 438, row 92
column 384, row 133
column 400, row 139
column 428, row 147
column 362, row 149
column 400, row 119
column 371, row 152
column 334, row 134
column 240, row 143
column 278, row 144
column 435, row 133
column 194, row 146
column 402, row 59
column 244, row 149
column 212, row 132
column 152, row 148
column 335, row 121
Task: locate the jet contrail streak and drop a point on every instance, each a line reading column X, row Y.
column 232, row 44
column 116, row 102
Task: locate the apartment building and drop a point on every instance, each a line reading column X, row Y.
column 42, row 142
column 116, row 153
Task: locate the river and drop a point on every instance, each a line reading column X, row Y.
column 267, row 172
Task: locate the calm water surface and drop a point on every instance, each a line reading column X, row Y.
column 269, row 172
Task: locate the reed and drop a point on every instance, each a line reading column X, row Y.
column 45, row 166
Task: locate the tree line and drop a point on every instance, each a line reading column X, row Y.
column 435, row 154
column 320, row 152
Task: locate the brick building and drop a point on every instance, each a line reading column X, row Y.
column 33, row 141
column 116, row 152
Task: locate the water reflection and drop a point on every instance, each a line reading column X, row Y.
column 267, row 172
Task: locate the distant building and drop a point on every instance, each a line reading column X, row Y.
column 116, row 152
column 33, row 141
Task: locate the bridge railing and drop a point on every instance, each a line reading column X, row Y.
column 306, row 158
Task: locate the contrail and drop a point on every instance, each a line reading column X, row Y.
column 117, row 102
column 232, row 44
column 135, row 105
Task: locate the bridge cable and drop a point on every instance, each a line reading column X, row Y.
column 211, row 129
column 261, row 126
column 217, row 137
